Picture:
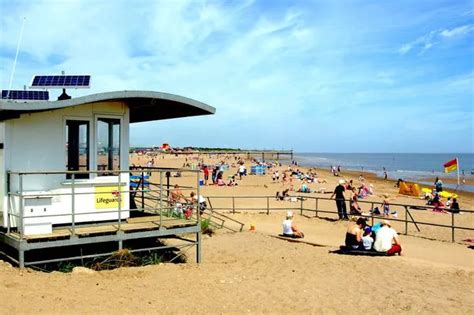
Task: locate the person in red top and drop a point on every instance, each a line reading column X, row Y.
column 206, row 174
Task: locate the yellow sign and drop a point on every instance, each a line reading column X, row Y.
column 107, row 197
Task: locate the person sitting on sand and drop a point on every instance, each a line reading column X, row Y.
column 232, row 181
column 386, row 240
column 437, row 203
column 289, row 227
column 354, row 205
column 367, row 239
column 304, row 189
column 448, row 203
column 283, row 195
column 200, row 200
column 354, row 234
column 350, row 185
column 454, row 208
column 177, row 196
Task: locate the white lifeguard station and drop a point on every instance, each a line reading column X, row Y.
column 65, row 163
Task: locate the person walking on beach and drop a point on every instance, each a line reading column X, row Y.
column 206, row 174
column 241, row 171
column 340, row 200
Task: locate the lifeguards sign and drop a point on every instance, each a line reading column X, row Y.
column 410, row 189
column 107, row 197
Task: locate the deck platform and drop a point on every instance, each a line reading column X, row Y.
column 133, row 228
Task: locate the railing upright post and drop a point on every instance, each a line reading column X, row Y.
column 452, row 226
column 268, row 205
column 406, row 220
column 73, row 206
column 21, row 206
column 119, row 199
column 233, row 205
column 198, row 211
column 316, row 207
column 301, row 205
column 372, row 213
column 161, row 199
column 143, row 190
column 8, row 203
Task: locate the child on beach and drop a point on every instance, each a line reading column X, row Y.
column 386, row 206
column 367, row 239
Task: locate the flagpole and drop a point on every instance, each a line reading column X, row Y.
column 457, row 162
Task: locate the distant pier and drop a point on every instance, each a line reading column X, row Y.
column 269, row 154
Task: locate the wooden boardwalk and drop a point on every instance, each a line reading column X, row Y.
column 145, row 223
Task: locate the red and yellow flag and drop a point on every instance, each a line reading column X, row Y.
column 451, row 166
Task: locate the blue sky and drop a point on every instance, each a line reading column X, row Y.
column 313, row 76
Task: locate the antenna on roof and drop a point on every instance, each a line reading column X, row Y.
column 16, row 57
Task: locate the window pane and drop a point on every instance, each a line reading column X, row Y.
column 77, row 147
column 108, row 145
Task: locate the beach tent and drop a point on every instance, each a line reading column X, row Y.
column 257, row 170
column 409, row 189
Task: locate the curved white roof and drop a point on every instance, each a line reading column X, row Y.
column 144, row 105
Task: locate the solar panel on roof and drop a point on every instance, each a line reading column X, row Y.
column 61, row 81
column 25, row 95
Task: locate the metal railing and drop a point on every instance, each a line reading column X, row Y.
column 301, row 202
column 120, row 185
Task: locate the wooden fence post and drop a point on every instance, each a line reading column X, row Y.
column 268, row 205
column 316, row 207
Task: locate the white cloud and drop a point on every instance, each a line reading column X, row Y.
column 433, row 38
column 405, row 48
column 457, row 31
column 268, row 69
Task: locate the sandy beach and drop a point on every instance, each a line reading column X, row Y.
column 255, row 272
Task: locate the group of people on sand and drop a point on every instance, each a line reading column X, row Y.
column 354, row 207
column 184, row 206
column 380, row 237
column 217, row 175
column 434, row 199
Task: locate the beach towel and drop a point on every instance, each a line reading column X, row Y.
column 343, row 250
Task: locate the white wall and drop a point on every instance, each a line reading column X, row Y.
column 37, row 142
column 2, row 174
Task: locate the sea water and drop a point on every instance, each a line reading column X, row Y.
column 408, row 166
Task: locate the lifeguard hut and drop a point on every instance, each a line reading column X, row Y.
column 64, row 164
